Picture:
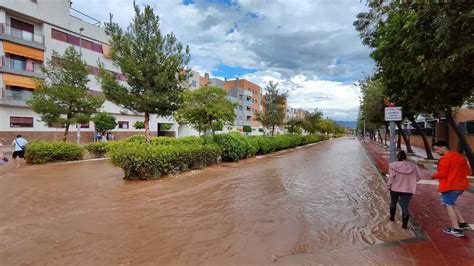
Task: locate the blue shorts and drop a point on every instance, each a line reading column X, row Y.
column 449, row 197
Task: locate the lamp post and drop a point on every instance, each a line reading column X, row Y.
column 78, row 125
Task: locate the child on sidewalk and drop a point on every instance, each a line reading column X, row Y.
column 401, row 182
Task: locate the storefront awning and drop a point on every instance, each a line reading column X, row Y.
column 19, row 81
column 21, row 50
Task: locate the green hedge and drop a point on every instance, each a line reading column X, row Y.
column 234, row 146
column 166, row 140
column 40, row 152
column 142, row 161
column 97, row 149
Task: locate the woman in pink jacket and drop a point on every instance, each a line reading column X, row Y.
column 401, row 183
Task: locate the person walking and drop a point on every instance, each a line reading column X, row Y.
column 401, row 182
column 19, row 151
column 452, row 175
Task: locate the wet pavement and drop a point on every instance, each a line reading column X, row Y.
column 439, row 248
column 281, row 208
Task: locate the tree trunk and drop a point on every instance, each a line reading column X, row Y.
column 273, row 130
column 405, row 138
column 147, row 125
column 399, row 141
column 66, row 131
column 429, row 155
column 466, row 147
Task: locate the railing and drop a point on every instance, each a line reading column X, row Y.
column 6, row 29
column 23, row 65
column 17, row 94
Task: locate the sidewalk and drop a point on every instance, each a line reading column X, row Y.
column 439, row 248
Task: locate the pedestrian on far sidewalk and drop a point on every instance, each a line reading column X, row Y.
column 19, row 151
column 401, row 182
column 452, row 174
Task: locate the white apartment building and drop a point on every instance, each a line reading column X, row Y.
column 30, row 31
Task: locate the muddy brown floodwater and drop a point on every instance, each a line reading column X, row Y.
column 317, row 198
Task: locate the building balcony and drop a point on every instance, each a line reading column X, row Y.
column 248, row 93
column 15, row 97
column 27, row 38
column 248, row 113
column 21, row 67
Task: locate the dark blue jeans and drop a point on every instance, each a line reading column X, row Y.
column 402, row 198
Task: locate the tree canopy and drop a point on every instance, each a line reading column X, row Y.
column 63, row 99
column 153, row 63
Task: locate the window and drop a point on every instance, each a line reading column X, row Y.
column 21, row 25
column 58, row 35
column 19, row 121
column 470, row 127
column 86, row 44
column 73, row 39
column 240, row 107
column 123, row 124
column 193, row 83
column 96, row 47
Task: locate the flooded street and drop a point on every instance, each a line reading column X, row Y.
column 318, row 198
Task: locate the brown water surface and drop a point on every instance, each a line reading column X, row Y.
column 321, row 197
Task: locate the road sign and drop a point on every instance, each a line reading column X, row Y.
column 393, row 114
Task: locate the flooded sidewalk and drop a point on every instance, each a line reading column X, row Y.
column 313, row 199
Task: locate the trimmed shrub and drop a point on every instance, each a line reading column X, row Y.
column 234, row 146
column 40, row 152
column 97, row 149
column 166, row 140
column 141, row 161
column 177, row 141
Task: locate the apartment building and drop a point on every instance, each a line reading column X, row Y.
column 30, row 31
column 248, row 97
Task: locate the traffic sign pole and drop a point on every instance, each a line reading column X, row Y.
column 393, row 156
column 393, row 114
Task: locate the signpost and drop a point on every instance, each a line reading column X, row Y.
column 393, row 114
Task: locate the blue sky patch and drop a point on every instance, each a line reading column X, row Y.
column 187, row 2
column 338, row 61
column 230, row 72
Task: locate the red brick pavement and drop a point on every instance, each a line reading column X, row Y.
column 439, row 248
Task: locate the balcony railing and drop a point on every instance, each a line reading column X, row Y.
column 22, row 65
column 17, row 94
column 6, row 29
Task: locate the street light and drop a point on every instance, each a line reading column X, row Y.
column 78, row 126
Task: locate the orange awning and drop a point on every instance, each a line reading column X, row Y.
column 21, row 50
column 20, row 81
column 106, row 50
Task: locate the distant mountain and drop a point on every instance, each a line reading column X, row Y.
column 351, row 124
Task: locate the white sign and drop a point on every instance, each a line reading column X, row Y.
column 393, row 114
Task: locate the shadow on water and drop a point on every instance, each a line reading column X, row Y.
column 311, row 199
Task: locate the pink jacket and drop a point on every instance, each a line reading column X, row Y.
column 402, row 176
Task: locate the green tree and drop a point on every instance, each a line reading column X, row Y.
column 104, row 122
column 139, row 125
column 247, row 129
column 425, row 55
column 312, row 120
column 63, row 98
column 206, row 109
column 294, row 126
column 274, row 107
column 154, row 65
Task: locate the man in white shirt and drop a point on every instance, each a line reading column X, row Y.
column 19, row 151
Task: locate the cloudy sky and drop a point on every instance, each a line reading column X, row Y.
column 309, row 46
